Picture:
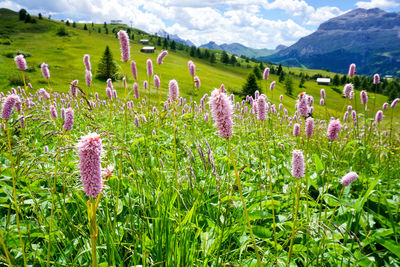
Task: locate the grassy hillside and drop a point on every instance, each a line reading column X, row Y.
column 40, row 43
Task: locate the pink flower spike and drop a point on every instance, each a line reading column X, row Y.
column 134, row 69
column 149, row 65
column 45, row 70
column 86, row 61
column 161, row 57
column 352, row 70
column 173, row 90
column 124, row 41
column 266, row 73
column 221, row 110
column 89, row 152
column 349, row 178
column 297, row 164
column 21, row 62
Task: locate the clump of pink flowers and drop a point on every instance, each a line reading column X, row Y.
column 21, row 62
column 124, row 41
column 349, row 178
column 8, row 106
column 333, row 130
column 89, row 152
column 297, row 164
column 221, row 110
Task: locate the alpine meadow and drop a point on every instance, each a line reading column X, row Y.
column 188, row 156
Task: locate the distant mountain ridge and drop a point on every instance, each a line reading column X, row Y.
column 174, row 37
column 368, row 37
column 239, row 49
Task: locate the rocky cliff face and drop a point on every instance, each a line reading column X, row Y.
column 368, row 37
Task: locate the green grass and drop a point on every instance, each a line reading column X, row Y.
column 152, row 212
column 65, row 58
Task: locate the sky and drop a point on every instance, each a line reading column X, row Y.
column 254, row 23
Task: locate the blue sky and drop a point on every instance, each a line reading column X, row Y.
column 254, row 23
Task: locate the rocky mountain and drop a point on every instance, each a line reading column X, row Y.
column 239, row 49
column 368, row 37
column 174, row 37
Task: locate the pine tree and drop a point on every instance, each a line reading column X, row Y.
column 105, row 25
column 302, row 81
column 251, row 86
column 281, row 76
column 336, row 80
column 165, row 44
column 257, row 72
column 22, row 14
column 213, row 59
column 106, row 68
column 85, row 27
column 206, row 53
column 99, row 30
column 192, row 51
column 40, row 16
column 159, row 41
column 224, row 57
column 74, row 24
column 288, row 85
column 343, row 80
column 67, row 23
column 27, row 18
column 278, row 72
column 233, row 60
column 262, row 67
column 198, row 53
column 173, row 45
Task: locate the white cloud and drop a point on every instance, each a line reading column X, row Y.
column 223, row 21
column 378, row 3
column 300, row 8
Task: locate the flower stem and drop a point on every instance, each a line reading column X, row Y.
column 15, row 193
column 270, row 189
column 93, row 229
column 5, row 249
column 244, row 204
column 52, row 199
column 294, row 223
column 330, row 221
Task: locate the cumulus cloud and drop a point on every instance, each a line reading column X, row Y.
column 378, row 3
column 301, row 9
column 223, row 21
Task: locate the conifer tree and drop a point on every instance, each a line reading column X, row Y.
column 106, row 68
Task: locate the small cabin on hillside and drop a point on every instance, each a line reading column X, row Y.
column 323, row 81
column 144, row 41
column 148, row 49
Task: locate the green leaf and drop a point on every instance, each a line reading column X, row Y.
column 318, row 163
column 390, row 245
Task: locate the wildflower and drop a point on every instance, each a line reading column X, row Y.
column 379, row 116
column 173, row 90
column 221, row 110
column 73, row 88
column 297, row 164
column 134, row 69
column 309, row 127
column 21, row 62
column 88, row 78
column 69, row 119
column 266, row 73
column 192, row 68
column 302, row 105
column 385, row 105
column 8, row 106
column 156, row 81
column 364, row 97
column 161, row 56
column 197, row 81
column 345, row 116
column 145, row 84
column 333, row 129
column 394, row 103
column 124, row 41
column 272, row 86
column 136, row 90
column 321, row 101
column 347, row 89
column 86, row 61
column 45, row 70
column 322, row 93
column 53, row 112
column 149, row 65
column 261, row 109
column 89, row 152
column 296, row 129
column 349, row 178
column 352, row 70
column 377, row 79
